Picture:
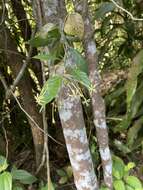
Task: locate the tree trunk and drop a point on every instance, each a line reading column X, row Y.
column 97, row 101
column 71, row 115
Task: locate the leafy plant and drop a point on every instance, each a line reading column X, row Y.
column 65, row 174
column 122, row 178
column 8, row 179
column 22, row 176
column 48, row 34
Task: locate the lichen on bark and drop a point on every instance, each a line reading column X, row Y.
column 71, row 115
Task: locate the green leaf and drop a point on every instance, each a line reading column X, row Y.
column 124, row 124
column 58, row 51
column 50, row 90
column 104, row 188
column 118, row 167
column 129, row 166
column 63, row 180
column 69, row 171
column 131, row 83
column 5, row 181
column 17, row 187
column 46, row 187
column 61, row 173
column 129, row 187
column 77, row 59
column 122, row 147
column 3, row 163
column 103, row 9
column 45, row 57
column 133, row 131
column 137, row 101
column 23, row 176
column 48, row 34
column 119, row 185
column 131, row 89
column 133, row 182
column 82, row 78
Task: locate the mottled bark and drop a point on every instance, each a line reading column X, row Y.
column 25, row 88
column 97, row 101
column 46, row 11
column 71, row 115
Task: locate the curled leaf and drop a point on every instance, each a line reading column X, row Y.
column 50, row 90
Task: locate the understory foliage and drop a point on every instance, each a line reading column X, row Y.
column 38, row 61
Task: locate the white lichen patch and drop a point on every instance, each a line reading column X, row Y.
column 97, row 113
column 105, row 153
column 83, row 156
column 108, row 168
column 83, row 183
column 101, row 124
column 50, row 7
column 91, row 48
column 65, row 115
column 87, row 180
column 89, row 174
column 79, row 134
column 95, row 77
column 69, row 148
column 73, row 150
column 76, row 165
column 79, row 7
column 68, row 104
column 65, row 111
column 87, row 22
column 49, row 12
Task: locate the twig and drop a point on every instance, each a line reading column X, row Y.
column 27, row 114
column 3, row 12
column 42, row 162
column 45, row 156
column 22, row 70
column 3, row 81
column 130, row 14
column 16, row 81
column 6, row 139
column 12, row 52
